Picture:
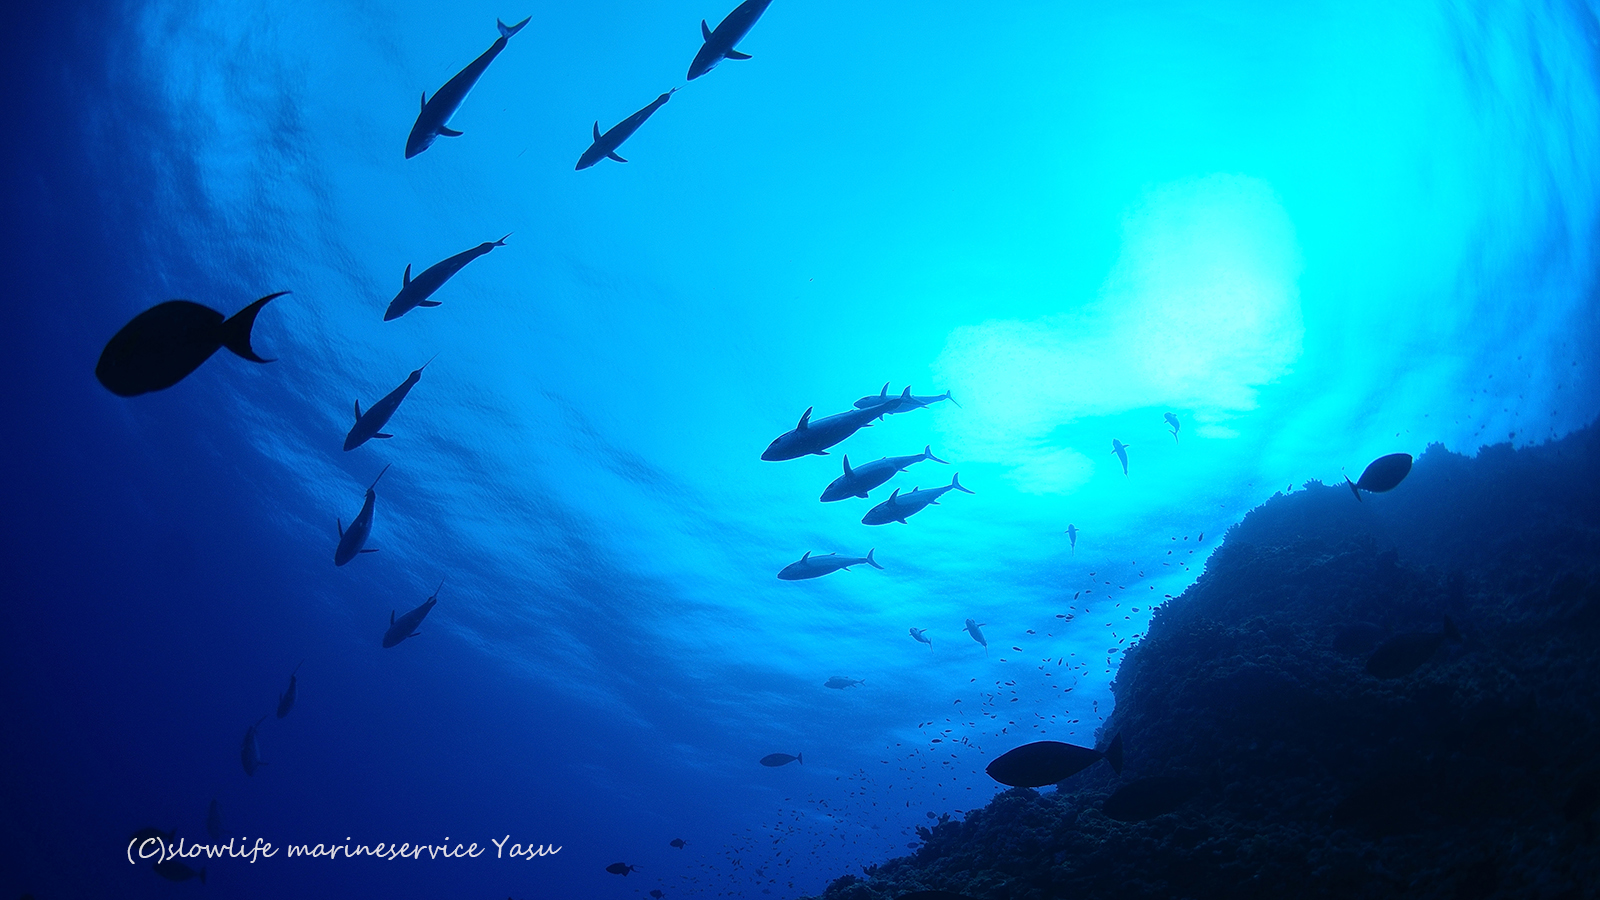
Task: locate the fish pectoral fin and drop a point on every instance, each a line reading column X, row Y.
column 819, row 453
column 734, row 54
column 383, row 436
column 339, row 525
column 372, row 550
column 613, row 155
column 415, row 634
column 705, row 30
column 429, row 303
column 862, row 496
column 447, row 131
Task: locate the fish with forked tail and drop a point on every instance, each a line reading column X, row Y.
column 163, row 344
column 434, row 118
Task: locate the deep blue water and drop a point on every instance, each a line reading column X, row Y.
column 1315, row 233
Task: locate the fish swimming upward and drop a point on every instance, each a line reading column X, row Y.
column 719, row 42
column 605, row 145
column 414, row 292
column 1172, row 421
column 368, row 423
column 287, row 698
column 920, row 635
column 434, row 118
column 353, row 540
column 166, row 342
column 406, row 626
column 897, row 507
column 1072, row 537
column 975, row 629
column 1121, row 450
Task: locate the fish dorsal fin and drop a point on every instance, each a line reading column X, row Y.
column 358, row 410
column 406, row 279
column 705, row 30
column 885, row 392
column 847, row 472
column 391, row 617
column 597, row 130
column 424, row 100
column 895, row 495
column 805, row 419
column 806, row 557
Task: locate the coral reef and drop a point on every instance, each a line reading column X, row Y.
column 1475, row 776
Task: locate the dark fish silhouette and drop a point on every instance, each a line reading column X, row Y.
column 1403, row 654
column 414, row 292
column 1072, row 537
column 1047, row 762
column 859, row 481
column 406, row 625
column 810, row 437
column 250, row 751
column 719, row 42
column 1385, row 473
column 605, row 145
column 839, row 682
column 166, row 342
column 898, row 507
column 353, row 540
column 214, row 821
column 434, row 118
column 1147, row 798
column 172, row 870
column 657, row 894
column 1172, row 420
column 1121, row 450
column 773, row 760
column 809, row 566
column 679, row 843
column 620, row 868
column 888, row 405
column 377, row 415
column 287, row 698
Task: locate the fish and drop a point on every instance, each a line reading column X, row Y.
column 605, row 145
column 250, row 751
column 1121, row 450
column 620, row 868
column 809, row 566
column 882, row 399
column 680, row 843
column 1358, row 639
column 214, row 821
column 1172, row 420
column 814, row 438
column 1048, row 762
column 1149, row 797
column 377, row 415
column 920, row 634
column 774, row 760
column 897, row 508
column 859, row 481
column 353, row 540
column 414, row 292
column 719, row 42
column 656, row 893
column 172, row 870
column 1384, row 474
column 839, row 682
column 1403, row 654
column 973, row 628
column 163, row 344
column 434, row 118
column 1072, row 537
column 287, row 698
column 406, row 625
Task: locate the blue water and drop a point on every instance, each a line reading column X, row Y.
column 1317, row 233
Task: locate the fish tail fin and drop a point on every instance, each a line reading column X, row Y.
column 1353, row 488
column 800, row 758
column 236, row 330
column 1450, row 630
column 1114, row 754
column 927, row 453
column 202, row 874
column 502, row 241
column 955, row 482
column 952, row 400
column 872, row 562
column 509, row 30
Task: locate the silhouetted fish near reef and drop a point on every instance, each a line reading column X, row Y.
column 172, row 870
column 1357, row 639
column 166, row 342
column 414, row 292
column 1385, row 473
column 1121, row 450
column 1147, row 798
column 620, row 868
column 1047, row 762
column 605, row 145
column 1403, row 654
column 434, row 117
column 774, row 760
column 406, row 626
column 719, row 42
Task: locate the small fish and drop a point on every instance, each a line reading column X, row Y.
column 920, row 634
column 774, row 760
column 810, row 438
column 250, row 751
column 657, row 894
column 1172, row 420
column 287, row 698
column 434, row 118
column 353, row 540
column 1048, row 762
column 1072, row 538
column 1384, row 474
column 172, row 870
column 1147, row 798
column 839, row 682
column 368, row 424
column 414, row 292
column 1121, row 450
column 620, row 868
column 605, row 145
column 166, row 342
column 809, row 566
column 890, row 405
column 406, row 625
column 719, row 42
column 897, row 508
column 859, row 481
column 214, row 821
column 977, row 635
column 1403, row 654
column 679, row 843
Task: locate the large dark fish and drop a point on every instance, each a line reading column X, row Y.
column 166, row 342
column 434, row 117
column 620, row 868
column 719, row 42
column 353, row 540
column 1149, row 797
column 1403, row 654
column 605, row 145
column 1385, row 473
column 774, row 760
column 1047, row 762
column 414, row 292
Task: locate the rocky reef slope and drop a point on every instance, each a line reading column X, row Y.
column 1477, row 775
